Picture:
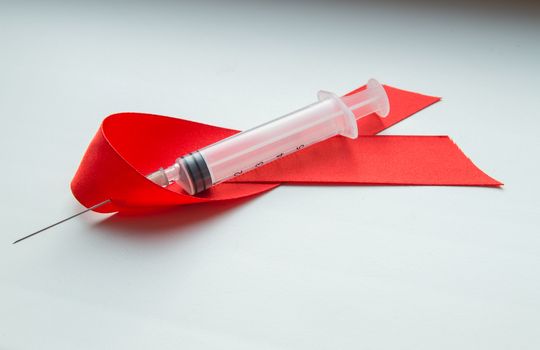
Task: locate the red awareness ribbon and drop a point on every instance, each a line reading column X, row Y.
column 128, row 146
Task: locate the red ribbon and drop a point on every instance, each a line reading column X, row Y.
column 130, row 145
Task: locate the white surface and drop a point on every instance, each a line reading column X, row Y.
column 300, row 267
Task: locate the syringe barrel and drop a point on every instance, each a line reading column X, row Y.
column 261, row 145
column 253, row 148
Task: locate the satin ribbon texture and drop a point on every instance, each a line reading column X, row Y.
column 128, row 146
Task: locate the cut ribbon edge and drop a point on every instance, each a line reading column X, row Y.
column 378, row 160
column 130, row 145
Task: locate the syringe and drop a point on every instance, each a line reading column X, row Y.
column 253, row 148
column 256, row 147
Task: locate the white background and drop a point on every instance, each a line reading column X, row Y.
column 301, row 267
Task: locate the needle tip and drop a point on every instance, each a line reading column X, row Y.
column 63, row 220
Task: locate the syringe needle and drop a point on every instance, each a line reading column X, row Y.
column 64, row 220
